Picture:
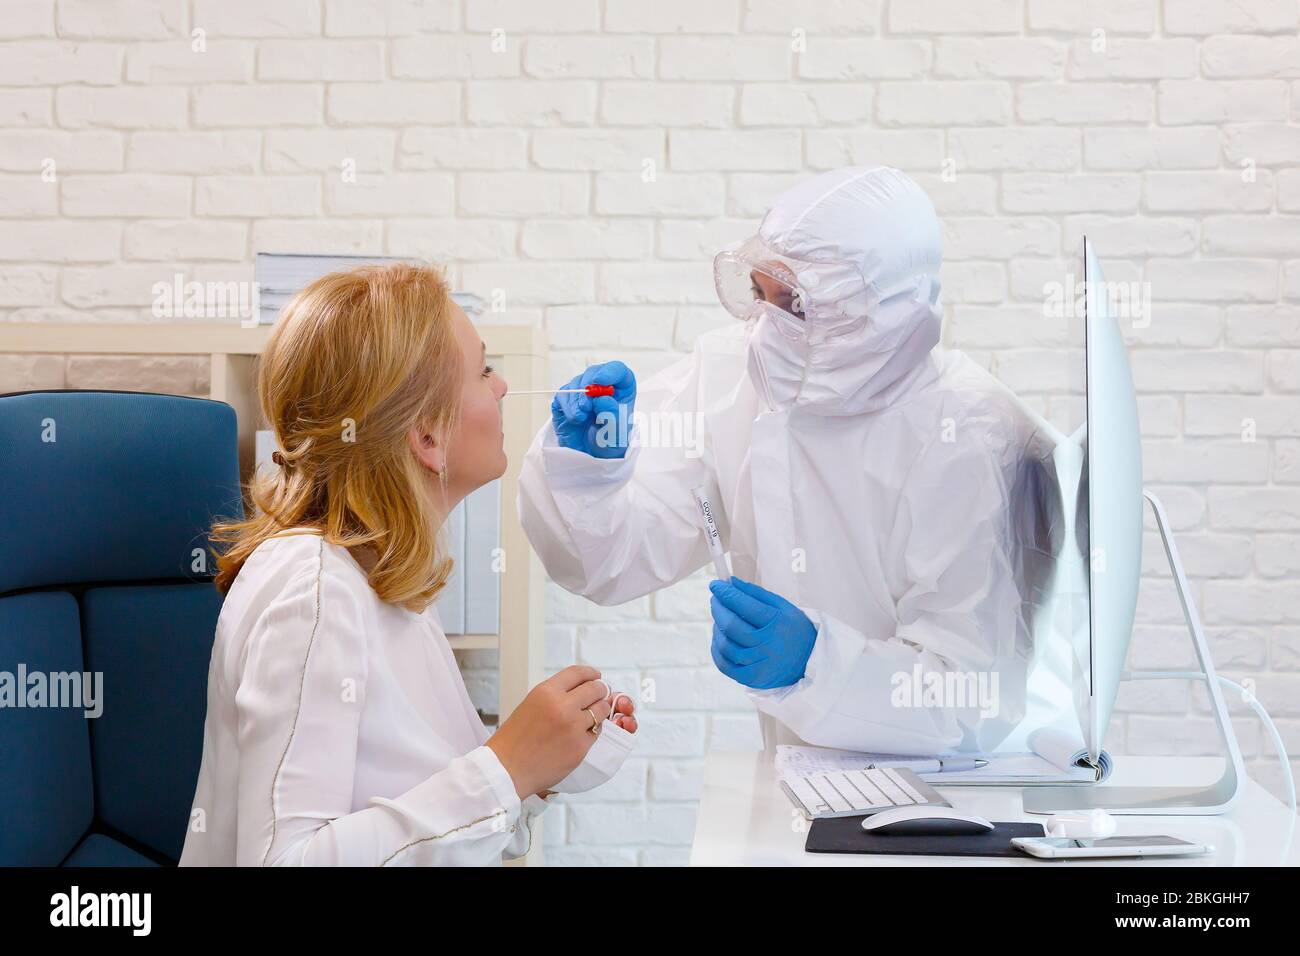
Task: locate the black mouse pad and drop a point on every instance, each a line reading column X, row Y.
column 845, row 835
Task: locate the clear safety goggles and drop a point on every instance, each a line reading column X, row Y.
column 750, row 272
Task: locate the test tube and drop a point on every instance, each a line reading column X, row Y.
column 711, row 533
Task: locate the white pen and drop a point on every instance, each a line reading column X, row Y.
column 938, row 765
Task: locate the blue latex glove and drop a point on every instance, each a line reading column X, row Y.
column 578, row 419
column 760, row 639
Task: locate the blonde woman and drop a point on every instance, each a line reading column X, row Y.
column 338, row 729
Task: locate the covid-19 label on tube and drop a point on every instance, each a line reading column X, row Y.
column 711, row 532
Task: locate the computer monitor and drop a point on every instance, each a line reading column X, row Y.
column 1111, row 495
column 1076, row 520
column 1113, row 476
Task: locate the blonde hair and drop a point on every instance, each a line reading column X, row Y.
column 355, row 361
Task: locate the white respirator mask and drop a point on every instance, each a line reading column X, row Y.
column 609, row 753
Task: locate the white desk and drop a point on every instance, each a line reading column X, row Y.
column 746, row 820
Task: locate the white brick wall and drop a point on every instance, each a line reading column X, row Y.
column 513, row 139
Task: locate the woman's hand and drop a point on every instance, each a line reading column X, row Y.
column 549, row 733
column 623, row 709
column 623, row 713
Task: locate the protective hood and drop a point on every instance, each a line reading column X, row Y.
column 859, row 249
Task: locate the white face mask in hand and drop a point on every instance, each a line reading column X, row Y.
column 603, row 760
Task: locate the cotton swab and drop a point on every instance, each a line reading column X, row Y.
column 591, row 391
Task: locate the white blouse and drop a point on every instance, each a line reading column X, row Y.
column 339, row 731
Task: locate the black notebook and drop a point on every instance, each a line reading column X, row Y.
column 845, row 835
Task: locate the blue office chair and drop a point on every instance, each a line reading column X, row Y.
column 105, row 503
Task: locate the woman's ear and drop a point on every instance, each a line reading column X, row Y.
column 427, row 450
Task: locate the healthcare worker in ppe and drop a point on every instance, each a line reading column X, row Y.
column 861, row 478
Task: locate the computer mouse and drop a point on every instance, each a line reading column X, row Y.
column 925, row 821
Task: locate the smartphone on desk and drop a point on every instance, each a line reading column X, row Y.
column 1068, row 848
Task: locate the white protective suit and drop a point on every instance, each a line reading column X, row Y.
column 855, row 470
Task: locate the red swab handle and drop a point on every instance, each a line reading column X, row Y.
column 596, row 391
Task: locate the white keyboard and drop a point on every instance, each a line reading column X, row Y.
column 851, row 793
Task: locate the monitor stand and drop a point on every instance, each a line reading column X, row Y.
column 1206, row 799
